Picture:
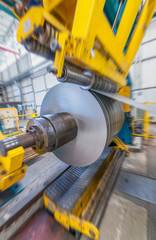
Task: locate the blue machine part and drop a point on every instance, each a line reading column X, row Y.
column 34, row 3
column 1, row 129
column 110, row 10
column 125, row 133
column 10, row 193
column 8, row 11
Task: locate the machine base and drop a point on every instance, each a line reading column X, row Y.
column 75, row 198
column 9, row 193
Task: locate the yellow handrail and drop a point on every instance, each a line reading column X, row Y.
column 23, row 115
column 16, row 116
column 147, row 121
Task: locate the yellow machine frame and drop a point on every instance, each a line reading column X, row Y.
column 12, row 168
column 85, row 36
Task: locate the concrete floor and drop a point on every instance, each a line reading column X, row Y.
column 128, row 217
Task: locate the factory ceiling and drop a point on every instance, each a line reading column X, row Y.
column 8, row 26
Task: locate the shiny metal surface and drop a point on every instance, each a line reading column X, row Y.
column 64, row 126
column 86, row 79
column 92, row 129
column 74, row 76
column 96, row 124
column 150, row 108
column 33, row 46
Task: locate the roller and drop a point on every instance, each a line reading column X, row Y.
column 46, row 35
column 44, row 134
column 87, row 79
column 77, row 125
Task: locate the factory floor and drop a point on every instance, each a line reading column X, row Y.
column 131, row 210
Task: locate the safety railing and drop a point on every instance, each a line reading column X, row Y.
column 146, row 125
column 16, row 116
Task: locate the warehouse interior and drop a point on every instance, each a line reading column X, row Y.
column 77, row 119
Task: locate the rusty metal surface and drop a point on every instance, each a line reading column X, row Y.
column 42, row 227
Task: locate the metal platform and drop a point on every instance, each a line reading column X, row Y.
column 76, row 198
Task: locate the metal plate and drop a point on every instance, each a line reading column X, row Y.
column 92, row 130
column 129, row 101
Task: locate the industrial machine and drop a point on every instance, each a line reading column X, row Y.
column 92, row 45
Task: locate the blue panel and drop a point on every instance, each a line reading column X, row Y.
column 125, row 133
column 110, row 10
column 10, row 193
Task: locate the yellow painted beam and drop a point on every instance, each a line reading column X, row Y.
column 26, row 27
column 54, row 22
column 49, row 5
column 86, row 19
column 106, row 36
column 127, row 21
column 144, row 20
column 101, row 65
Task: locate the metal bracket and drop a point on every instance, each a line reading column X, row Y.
column 121, row 145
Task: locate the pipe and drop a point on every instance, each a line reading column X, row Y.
column 117, row 15
column 44, row 134
column 33, row 46
column 9, row 50
column 8, row 144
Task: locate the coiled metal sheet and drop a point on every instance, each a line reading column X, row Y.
column 98, row 118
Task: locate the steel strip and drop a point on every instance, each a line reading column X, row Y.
column 129, row 101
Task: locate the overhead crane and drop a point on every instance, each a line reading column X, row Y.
column 92, row 44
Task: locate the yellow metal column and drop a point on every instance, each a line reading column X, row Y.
column 87, row 18
column 49, row 5
column 146, row 125
column 111, row 46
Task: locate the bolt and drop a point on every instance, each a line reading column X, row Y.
column 0, row 164
column 91, row 233
column 3, row 172
column 35, row 28
column 10, row 178
column 52, row 70
column 22, row 170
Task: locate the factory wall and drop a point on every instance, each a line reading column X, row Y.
column 143, row 69
column 32, row 90
column 28, row 80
